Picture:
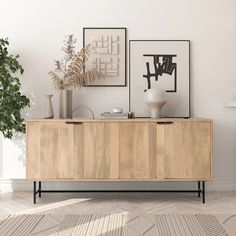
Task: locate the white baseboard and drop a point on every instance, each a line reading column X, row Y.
column 222, row 184
column 11, row 185
column 218, row 184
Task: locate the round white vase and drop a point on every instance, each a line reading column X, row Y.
column 155, row 100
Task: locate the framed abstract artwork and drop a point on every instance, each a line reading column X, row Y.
column 108, row 55
column 163, row 64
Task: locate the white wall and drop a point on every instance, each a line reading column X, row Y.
column 36, row 29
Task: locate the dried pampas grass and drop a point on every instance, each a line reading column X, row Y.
column 70, row 73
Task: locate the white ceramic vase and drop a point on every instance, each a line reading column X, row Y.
column 49, row 109
column 65, row 104
column 155, row 100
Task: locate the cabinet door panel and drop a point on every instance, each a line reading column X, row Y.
column 138, row 151
column 50, row 148
column 188, row 150
column 91, row 139
column 33, row 150
column 78, row 151
column 111, row 152
column 101, row 150
column 56, row 151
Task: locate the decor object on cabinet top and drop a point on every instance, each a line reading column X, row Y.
column 12, row 101
column 69, row 73
column 161, row 64
column 49, row 110
column 65, row 101
column 117, row 110
column 155, row 100
column 109, row 55
column 83, row 107
column 114, row 115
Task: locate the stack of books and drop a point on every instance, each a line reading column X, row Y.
column 114, row 115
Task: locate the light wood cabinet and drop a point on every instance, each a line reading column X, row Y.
column 138, row 149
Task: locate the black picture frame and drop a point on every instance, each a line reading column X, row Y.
column 189, row 75
column 125, row 53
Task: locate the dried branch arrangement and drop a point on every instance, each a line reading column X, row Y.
column 69, row 72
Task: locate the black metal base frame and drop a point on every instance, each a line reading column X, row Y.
column 200, row 190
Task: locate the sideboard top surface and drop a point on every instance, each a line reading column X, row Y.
column 97, row 120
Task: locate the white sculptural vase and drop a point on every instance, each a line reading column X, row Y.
column 155, row 100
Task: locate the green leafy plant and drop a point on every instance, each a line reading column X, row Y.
column 11, row 99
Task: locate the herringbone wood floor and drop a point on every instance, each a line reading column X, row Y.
column 99, row 203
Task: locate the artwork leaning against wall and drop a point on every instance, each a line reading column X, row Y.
column 160, row 64
column 109, row 55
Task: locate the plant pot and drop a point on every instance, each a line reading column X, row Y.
column 65, row 104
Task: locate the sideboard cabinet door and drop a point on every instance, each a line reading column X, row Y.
column 187, row 150
column 138, row 157
column 50, row 150
column 99, row 155
column 118, row 150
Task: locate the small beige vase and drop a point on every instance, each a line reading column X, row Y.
column 65, row 104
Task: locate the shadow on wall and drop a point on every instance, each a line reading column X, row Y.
column 1, row 155
column 18, row 139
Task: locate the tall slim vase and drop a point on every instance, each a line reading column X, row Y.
column 49, row 109
column 65, row 104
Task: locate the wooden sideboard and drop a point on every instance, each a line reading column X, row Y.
column 119, row 150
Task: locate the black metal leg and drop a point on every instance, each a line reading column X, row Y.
column 40, row 191
column 34, row 192
column 203, row 192
column 199, row 188
column 39, row 188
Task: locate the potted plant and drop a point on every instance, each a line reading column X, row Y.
column 69, row 73
column 11, row 99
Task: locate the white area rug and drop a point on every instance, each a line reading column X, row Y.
column 126, row 224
